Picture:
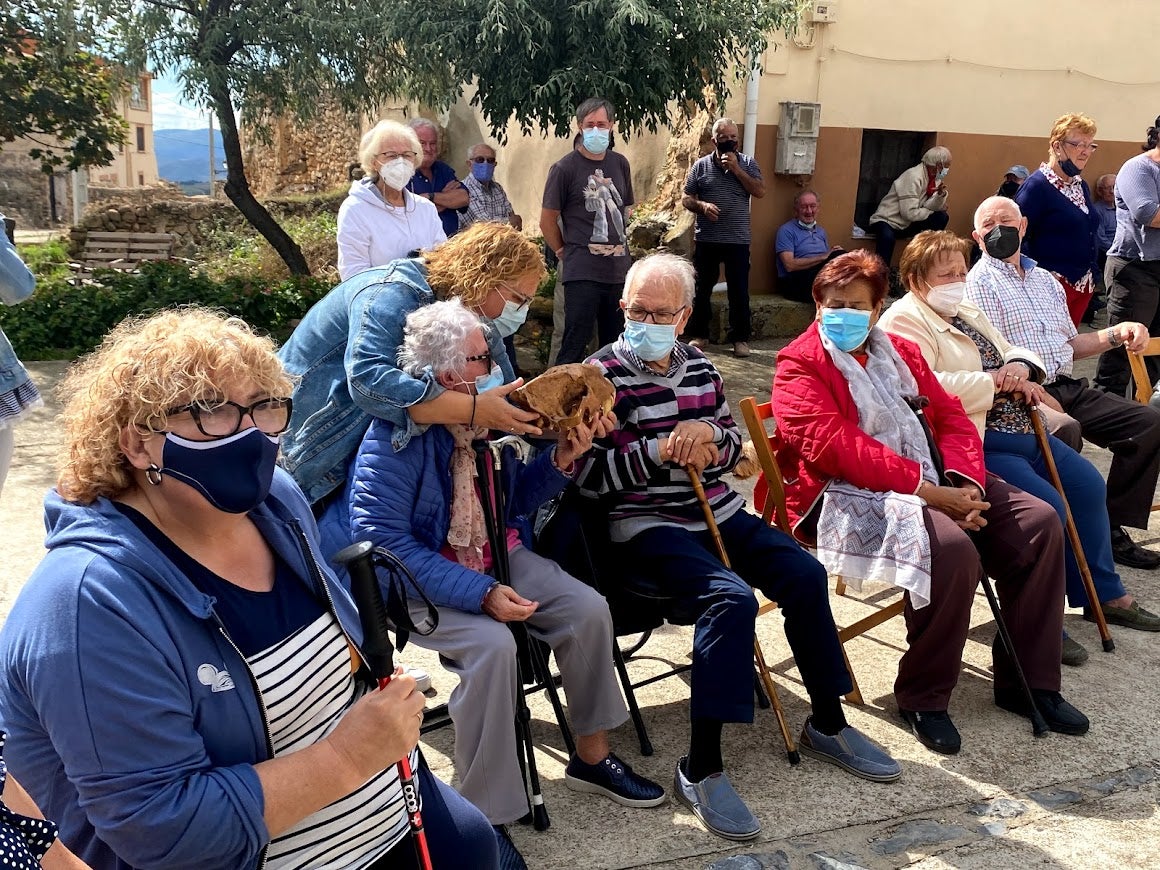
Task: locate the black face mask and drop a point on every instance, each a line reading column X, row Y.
column 1009, row 189
column 1002, row 241
column 725, row 146
column 1068, row 167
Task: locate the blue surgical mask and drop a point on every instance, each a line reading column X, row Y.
column 650, row 341
column 490, row 381
column 942, row 173
column 509, row 321
column 847, row 328
column 482, row 171
column 596, row 140
column 808, row 226
column 233, row 473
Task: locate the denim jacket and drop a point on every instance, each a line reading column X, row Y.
column 16, row 285
column 343, row 355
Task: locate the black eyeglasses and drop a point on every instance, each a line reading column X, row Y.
column 490, row 160
column 270, row 416
column 521, row 301
column 664, row 318
column 479, row 357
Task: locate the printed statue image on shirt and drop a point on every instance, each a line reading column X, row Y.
column 604, row 201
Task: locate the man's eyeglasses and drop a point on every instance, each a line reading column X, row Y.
column 1083, row 146
column 521, row 301
column 388, row 156
column 270, row 416
column 490, row 160
column 664, row 318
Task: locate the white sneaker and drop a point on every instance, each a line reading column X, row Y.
column 421, row 677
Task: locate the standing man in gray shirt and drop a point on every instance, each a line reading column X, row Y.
column 1132, row 272
column 590, row 192
column 717, row 190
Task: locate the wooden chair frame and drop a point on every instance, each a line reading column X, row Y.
column 1143, row 383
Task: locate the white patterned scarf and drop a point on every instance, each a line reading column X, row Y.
column 879, row 536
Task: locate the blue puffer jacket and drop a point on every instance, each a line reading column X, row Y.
column 344, row 354
column 401, row 500
column 133, row 719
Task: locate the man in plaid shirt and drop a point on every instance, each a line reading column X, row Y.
column 489, row 201
column 1027, row 305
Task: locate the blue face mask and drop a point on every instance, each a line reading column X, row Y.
column 509, row 321
column 650, row 341
column 943, row 173
column 233, row 473
column 596, row 140
column 808, row 226
column 847, row 328
column 482, row 171
column 490, row 381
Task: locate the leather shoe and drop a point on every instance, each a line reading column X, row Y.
column 1074, row 653
column 1133, row 616
column 1061, row 717
column 1127, row 552
column 934, row 729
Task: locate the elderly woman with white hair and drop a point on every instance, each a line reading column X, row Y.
column 381, row 220
column 916, row 201
column 422, row 502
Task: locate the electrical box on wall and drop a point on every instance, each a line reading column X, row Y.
column 797, row 138
column 824, row 12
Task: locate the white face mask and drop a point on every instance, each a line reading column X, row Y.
column 945, row 298
column 396, row 173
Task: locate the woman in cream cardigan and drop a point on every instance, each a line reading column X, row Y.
column 998, row 386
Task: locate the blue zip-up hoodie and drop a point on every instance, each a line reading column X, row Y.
column 132, row 719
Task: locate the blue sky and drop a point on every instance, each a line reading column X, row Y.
column 169, row 113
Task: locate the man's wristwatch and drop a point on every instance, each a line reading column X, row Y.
column 1113, row 339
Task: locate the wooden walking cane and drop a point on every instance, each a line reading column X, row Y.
column 1073, row 533
column 791, row 749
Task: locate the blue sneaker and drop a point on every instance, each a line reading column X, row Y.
column 852, row 751
column 717, row 805
column 614, row 779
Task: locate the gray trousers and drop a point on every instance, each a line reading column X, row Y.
column 573, row 620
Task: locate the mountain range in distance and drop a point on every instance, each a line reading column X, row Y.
column 183, row 155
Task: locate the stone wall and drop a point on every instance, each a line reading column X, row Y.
column 24, row 193
column 303, row 157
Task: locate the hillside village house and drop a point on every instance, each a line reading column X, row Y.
column 134, row 163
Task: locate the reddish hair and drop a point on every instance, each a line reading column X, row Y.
column 844, row 270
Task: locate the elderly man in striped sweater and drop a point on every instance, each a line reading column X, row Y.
column 672, row 413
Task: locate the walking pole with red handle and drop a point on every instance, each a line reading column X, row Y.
column 358, row 559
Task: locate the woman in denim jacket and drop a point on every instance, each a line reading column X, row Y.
column 18, row 395
column 344, row 353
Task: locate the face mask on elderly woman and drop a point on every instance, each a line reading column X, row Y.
column 847, row 328
column 396, row 173
column 945, row 298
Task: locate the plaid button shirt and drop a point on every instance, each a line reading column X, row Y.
column 1029, row 311
column 485, row 205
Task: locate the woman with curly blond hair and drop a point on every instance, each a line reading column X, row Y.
column 182, row 686
column 345, row 352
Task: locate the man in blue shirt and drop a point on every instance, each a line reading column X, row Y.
column 802, row 248
column 435, row 180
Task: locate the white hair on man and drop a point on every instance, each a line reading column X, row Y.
column 663, row 268
column 476, row 147
column 435, row 338
column 936, row 156
column 722, row 122
column 377, row 138
column 991, row 201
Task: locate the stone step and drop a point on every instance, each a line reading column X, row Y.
column 770, row 316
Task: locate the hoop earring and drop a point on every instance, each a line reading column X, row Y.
column 153, row 474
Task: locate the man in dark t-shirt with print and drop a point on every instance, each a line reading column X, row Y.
column 590, row 192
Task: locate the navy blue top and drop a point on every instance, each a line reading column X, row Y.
column 254, row 620
column 441, row 174
column 1060, row 237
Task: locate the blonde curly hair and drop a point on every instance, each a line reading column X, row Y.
column 473, row 263
column 143, row 369
column 1064, row 124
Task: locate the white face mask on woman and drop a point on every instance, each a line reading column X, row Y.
column 396, row 173
column 945, row 298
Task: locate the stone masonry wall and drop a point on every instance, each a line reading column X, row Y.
column 303, row 157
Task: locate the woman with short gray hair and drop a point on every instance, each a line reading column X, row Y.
column 916, row 201
column 381, row 220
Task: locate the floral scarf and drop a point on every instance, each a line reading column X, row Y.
column 467, row 534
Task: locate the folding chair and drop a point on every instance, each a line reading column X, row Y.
column 1143, row 381
column 773, row 511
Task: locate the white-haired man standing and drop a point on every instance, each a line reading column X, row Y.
column 435, row 180
column 1027, row 305
column 489, row 201
column 916, row 201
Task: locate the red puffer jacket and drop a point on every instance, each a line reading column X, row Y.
column 818, row 440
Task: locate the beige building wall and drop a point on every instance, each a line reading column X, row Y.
column 135, row 163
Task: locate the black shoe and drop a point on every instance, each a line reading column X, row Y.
column 509, row 856
column 1127, row 552
column 934, row 730
column 1060, row 716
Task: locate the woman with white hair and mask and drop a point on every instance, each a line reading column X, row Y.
column 381, row 220
column 916, row 201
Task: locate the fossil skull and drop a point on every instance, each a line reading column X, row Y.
column 566, row 396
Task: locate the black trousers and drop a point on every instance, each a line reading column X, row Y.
column 588, row 304
column 799, row 285
column 707, row 258
column 885, row 235
column 1133, row 295
column 1131, row 431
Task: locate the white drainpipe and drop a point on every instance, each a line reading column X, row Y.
column 749, row 141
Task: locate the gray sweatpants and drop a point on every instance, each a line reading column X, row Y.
column 573, row 620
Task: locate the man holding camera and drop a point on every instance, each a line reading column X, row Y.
column 717, row 190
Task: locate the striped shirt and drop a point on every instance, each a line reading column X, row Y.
column 1137, row 202
column 486, row 204
column 647, row 492
column 708, row 181
column 1028, row 311
column 307, row 684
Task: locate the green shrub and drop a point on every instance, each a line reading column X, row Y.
column 47, row 260
column 230, row 250
column 62, row 321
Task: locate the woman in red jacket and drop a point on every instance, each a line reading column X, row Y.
column 884, row 470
